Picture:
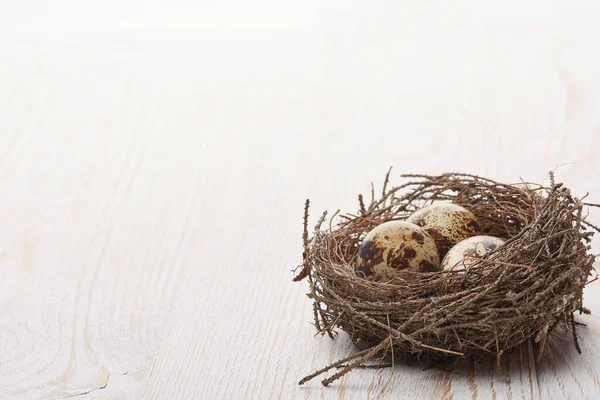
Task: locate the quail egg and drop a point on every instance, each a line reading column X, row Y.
column 461, row 255
column 446, row 223
column 396, row 246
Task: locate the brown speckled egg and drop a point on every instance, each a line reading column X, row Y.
column 396, row 246
column 447, row 224
column 475, row 247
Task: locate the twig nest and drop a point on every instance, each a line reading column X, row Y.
column 396, row 246
column 467, row 252
column 523, row 290
column 447, row 224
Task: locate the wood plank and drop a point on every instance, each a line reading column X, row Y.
column 95, row 225
column 152, row 194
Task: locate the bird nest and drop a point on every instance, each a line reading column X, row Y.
column 522, row 290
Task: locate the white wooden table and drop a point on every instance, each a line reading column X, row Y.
column 152, row 187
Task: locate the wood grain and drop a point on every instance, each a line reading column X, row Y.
column 152, row 193
column 95, row 227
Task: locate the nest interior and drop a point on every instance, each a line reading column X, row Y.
column 520, row 291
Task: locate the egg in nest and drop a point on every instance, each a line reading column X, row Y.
column 466, row 252
column 446, row 223
column 396, row 246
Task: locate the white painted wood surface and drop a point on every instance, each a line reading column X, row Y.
column 152, row 190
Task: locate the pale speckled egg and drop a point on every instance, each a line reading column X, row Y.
column 459, row 257
column 446, row 223
column 396, row 246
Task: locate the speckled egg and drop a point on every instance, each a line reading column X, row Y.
column 447, row 224
column 396, row 246
column 473, row 247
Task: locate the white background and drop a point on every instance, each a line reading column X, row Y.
column 115, row 18
column 155, row 158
